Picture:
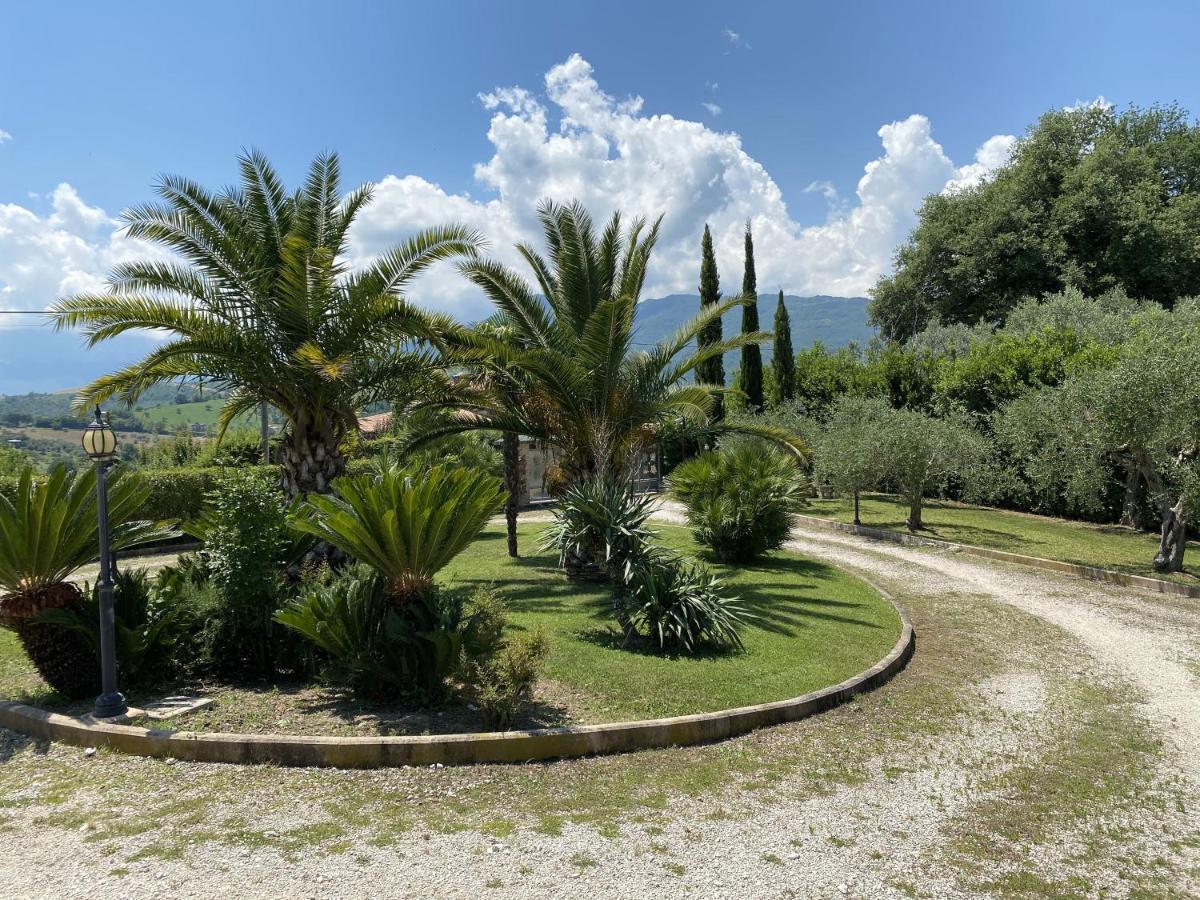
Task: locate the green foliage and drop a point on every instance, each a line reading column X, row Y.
column 149, row 626
column 581, row 385
column 407, row 524
column 783, row 360
column 498, row 672
column 849, row 454
column 185, row 494
column 48, row 529
column 680, row 606
column 751, row 370
column 740, row 502
column 12, row 462
column 258, row 302
column 1091, row 198
column 712, row 369
column 246, row 548
column 599, row 524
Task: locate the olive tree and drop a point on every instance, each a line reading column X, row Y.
column 924, row 454
column 1142, row 411
column 847, row 454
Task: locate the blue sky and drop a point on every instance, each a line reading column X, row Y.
column 834, row 119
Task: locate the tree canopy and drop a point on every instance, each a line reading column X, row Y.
column 1091, row 199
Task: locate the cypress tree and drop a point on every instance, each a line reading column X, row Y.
column 783, row 361
column 711, row 371
column 751, row 371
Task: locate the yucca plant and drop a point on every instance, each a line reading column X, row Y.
column 48, row 530
column 740, row 502
column 680, row 606
column 405, row 524
column 599, row 524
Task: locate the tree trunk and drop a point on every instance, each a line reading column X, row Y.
column 1174, row 540
column 914, row 512
column 311, row 459
column 513, row 483
column 1129, row 505
column 857, row 520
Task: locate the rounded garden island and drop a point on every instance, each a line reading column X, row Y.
column 812, row 627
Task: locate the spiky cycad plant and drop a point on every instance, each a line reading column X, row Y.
column 48, row 530
column 258, row 299
column 406, row 525
column 584, row 388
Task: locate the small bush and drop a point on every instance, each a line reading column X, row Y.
column 679, row 605
column 740, row 502
column 498, row 674
column 246, row 548
column 599, row 524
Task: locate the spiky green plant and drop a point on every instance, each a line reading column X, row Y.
column 584, row 388
column 739, row 502
column 48, row 530
column 407, row 525
column 258, row 299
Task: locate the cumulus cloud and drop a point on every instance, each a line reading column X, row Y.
column 736, row 39
column 576, row 141
column 4, row 136
column 713, row 109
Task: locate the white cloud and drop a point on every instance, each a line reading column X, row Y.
column 713, row 109
column 994, row 153
column 1100, row 102
column 4, row 136
column 736, row 39
column 577, row 141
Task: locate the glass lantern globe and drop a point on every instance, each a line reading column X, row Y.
column 99, row 440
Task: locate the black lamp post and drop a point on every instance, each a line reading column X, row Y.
column 100, row 444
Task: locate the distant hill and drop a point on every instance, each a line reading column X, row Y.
column 834, row 321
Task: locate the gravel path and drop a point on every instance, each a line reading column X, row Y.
column 936, row 797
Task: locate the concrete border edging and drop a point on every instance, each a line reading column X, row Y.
column 1091, row 573
column 459, row 749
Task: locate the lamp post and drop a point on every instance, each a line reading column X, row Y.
column 100, row 444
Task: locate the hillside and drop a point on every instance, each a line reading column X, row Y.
column 835, row 321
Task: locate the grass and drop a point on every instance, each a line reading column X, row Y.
column 1105, row 546
column 817, row 626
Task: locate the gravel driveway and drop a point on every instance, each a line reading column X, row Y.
column 1043, row 742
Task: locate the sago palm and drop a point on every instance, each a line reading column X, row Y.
column 580, row 383
column 48, row 530
column 407, row 525
column 257, row 299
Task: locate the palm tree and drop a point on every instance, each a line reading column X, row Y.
column 258, row 300
column 579, row 382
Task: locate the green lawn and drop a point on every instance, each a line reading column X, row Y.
column 819, row 626
column 1105, row 546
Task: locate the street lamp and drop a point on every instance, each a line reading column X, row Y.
column 100, row 444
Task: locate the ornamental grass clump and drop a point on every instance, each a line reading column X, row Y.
column 740, row 502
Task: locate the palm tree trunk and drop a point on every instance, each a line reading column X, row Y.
column 311, row 459
column 513, row 483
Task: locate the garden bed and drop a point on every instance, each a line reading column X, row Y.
column 817, row 626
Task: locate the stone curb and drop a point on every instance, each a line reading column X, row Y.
column 458, row 749
column 1092, row 573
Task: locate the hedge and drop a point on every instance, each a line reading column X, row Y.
column 182, row 493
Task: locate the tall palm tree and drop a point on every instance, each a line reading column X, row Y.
column 583, row 387
column 257, row 299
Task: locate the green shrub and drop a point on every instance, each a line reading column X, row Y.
column 246, row 549
column 498, row 673
column 149, row 625
column 185, row 494
column 599, row 524
column 406, row 524
column 740, row 502
column 679, row 605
